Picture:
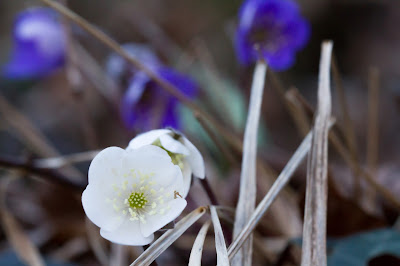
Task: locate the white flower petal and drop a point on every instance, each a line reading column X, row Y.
column 98, row 210
column 153, row 160
column 170, row 179
column 105, row 168
column 187, row 178
column 157, row 221
column 195, row 159
column 128, row 233
column 147, row 138
column 173, row 145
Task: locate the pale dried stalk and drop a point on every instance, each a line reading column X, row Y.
column 197, row 249
column 57, row 162
column 266, row 202
column 220, row 246
column 314, row 231
column 247, row 194
column 162, row 243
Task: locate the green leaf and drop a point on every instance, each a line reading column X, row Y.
column 358, row 249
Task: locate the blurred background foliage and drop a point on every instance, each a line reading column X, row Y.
column 196, row 37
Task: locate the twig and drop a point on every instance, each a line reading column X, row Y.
column 47, row 174
column 373, row 125
column 314, row 230
column 248, row 190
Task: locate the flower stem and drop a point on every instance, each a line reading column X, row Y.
column 207, row 188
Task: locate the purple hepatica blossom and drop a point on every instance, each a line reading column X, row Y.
column 39, row 45
column 145, row 104
column 272, row 30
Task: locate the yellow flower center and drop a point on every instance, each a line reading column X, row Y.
column 138, row 196
column 137, row 200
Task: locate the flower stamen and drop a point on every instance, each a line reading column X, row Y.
column 137, row 200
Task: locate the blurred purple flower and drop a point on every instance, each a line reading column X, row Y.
column 273, row 30
column 39, row 45
column 145, row 104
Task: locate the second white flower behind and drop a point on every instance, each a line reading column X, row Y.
column 182, row 152
column 133, row 193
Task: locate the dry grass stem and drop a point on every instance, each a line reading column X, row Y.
column 266, row 202
column 314, row 232
column 164, row 241
column 220, row 245
column 247, row 194
column 197, row 249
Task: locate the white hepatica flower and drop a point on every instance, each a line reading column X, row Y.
column 182, row 151
column 133, row 193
